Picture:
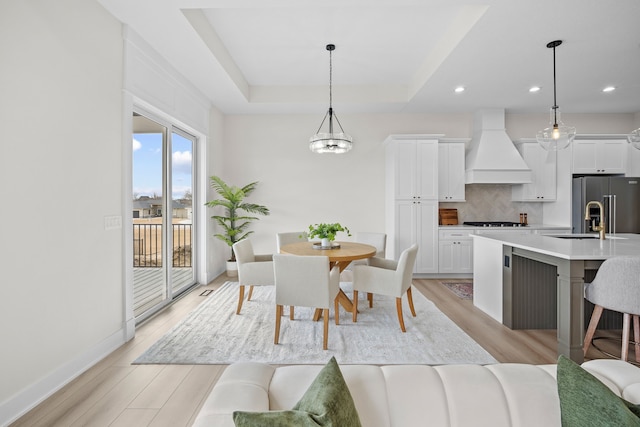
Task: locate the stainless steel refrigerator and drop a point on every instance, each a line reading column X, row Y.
column 620, row 197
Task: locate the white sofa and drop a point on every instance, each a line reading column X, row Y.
column 416, row 395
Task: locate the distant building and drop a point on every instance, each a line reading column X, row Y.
column 151, row 207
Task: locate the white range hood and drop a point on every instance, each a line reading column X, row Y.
column 492, row 158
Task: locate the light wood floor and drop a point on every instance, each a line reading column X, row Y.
column 116, row 393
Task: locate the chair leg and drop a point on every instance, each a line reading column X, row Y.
column 336, row 308
column 325, row 338
column 290, row 312
column 410, row 298
column 278, row 317
column 354, row 313
column 399, row 309
column 370, row 298
column 636, row 336
column 626, row 325
column 250, row 293
column 593, row 324
column 240, row 299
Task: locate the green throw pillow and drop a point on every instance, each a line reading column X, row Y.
column 327, row 402
column 585, row 401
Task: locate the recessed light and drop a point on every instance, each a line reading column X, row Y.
column 534, row 89
column 459, row 89
column 609, row 89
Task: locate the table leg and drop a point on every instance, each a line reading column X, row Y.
column 344, row 301
column 341, row 264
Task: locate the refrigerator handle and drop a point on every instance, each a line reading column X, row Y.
column 608, row 205
column 612, row 215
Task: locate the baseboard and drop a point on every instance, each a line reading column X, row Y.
column 21, row 403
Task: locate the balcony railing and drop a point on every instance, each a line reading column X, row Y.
column 147, row 245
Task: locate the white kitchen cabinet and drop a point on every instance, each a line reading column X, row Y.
column 633, row 162
column 416, row 221
column 599, row 156
column 455, row 253
column 451, row 172
column 415, row 169
column 411, row 197
column 544, row 175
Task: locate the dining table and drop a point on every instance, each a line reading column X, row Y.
column 341, row 254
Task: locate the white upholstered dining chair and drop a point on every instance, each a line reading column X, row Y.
column 616, row 287
column 378, row 241
column 306, row 281
column 290, row 237
column 386, row 277
column 252, row 269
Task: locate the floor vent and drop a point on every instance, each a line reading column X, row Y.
column 206, row 292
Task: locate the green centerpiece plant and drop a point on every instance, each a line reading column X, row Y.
column 326, row 232
column 234, row 222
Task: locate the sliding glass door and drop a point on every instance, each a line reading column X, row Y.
column 163, row 215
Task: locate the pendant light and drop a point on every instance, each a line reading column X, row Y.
column 322, row 142
column 634, row 138
column 557, row 136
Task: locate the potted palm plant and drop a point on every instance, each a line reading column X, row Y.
column 326, row 232
column 234, row 220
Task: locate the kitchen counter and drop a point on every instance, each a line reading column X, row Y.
column 585, row 249
column 501, row 279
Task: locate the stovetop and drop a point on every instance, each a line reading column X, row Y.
column 494, row 224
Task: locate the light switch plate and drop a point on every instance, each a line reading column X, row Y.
column 112, row 222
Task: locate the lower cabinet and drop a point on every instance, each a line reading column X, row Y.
column 417, row 222
column 455, row 252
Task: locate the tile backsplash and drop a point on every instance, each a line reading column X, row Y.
column 492, row 202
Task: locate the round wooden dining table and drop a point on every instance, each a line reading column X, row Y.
column 342, row 257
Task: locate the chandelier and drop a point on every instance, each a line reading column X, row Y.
column 557, row 136
column 330, row 142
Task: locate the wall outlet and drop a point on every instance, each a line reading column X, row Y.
column 112, row 222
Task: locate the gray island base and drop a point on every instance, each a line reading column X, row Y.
column 537, row 281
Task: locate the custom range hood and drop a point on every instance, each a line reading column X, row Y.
column 492, row 158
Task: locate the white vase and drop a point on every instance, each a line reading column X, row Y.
column 325, row 243
column 232, row 269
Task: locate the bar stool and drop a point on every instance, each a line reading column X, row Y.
column 616, row 287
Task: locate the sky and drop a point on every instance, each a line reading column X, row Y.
column 147, row 165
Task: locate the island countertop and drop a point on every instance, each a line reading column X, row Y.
column 621, row 244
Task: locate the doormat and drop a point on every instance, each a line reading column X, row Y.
column 463, row 290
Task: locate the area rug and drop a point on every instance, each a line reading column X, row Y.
column 214, row 334
column 462, row 290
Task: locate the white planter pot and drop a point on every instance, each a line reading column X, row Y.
column 232, row 269
column 325, row 243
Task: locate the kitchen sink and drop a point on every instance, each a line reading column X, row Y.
column 583, row 236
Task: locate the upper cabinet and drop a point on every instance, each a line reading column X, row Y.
column 633, row 162
column 599, row 156
column 415, row 168
column 451, row 172
column 543, row 167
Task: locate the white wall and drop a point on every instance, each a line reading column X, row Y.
column 300, row 187
column 216, row 250
column 60, row 173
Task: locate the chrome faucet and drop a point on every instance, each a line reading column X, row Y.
column 587, row 217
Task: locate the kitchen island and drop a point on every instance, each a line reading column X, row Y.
column 537, row 281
